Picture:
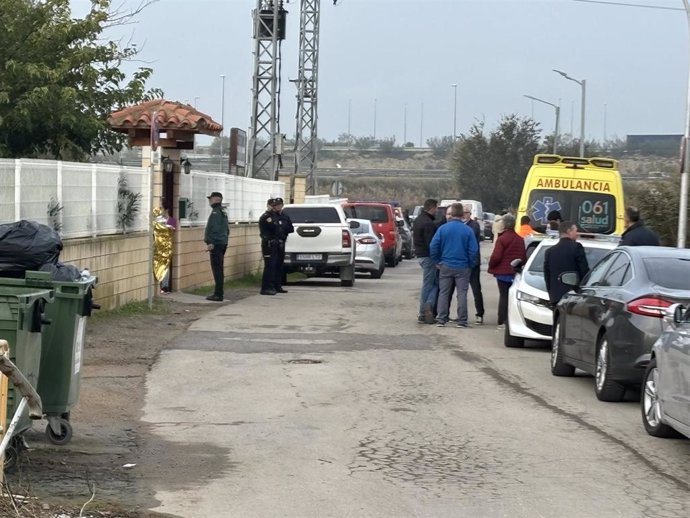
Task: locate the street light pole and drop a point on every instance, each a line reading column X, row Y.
column 222, row 118
column 455, row 110
column 421, row 125
column 583, row 85
column 685, row 161
column 374, row 118
column 405, row 126
column 558, row 118
column 196, row 98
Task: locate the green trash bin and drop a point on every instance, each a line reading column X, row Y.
column 22, row 319
column 62, row 350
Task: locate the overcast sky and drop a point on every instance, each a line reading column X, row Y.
column 410, row 52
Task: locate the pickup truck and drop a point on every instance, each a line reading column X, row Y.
column 322, row 242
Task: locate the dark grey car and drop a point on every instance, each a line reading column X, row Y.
column 609, row 323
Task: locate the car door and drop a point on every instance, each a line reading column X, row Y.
column 586, row 308
column 606, row 305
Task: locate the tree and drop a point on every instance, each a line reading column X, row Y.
column 60, row 79
column 441, row 147
column 493, row 168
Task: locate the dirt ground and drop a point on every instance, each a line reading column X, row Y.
column 120, row 349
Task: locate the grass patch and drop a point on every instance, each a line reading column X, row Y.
column 251, row 280
column 132, row 309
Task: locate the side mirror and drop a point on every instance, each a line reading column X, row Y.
column 517, row 265
column 569, row 279
column 355, row 224
column 678, row 312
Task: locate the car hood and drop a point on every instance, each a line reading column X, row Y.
column 535, row 280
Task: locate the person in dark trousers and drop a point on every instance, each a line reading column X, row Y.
column 565, row 256
column 453, row 250
column 286, row 228
column 216, row 239
column 423, row 231
column 636, row 232
column 509, row 246
column 475, row 284
column 271, row 249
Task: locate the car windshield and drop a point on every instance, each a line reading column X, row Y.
column 534, row 275
column 363, row 228
column 372, row 213
column 312, row 214
column 592, row 212
column 668, row 272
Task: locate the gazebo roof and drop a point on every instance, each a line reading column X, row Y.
column 172, row 116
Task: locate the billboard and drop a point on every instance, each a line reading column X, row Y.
column 238, row 147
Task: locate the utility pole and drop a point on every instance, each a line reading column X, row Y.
column 269, row 31
column 405, row 126
column 306, row 143
column 222, row 117
column 374, row 118
column 421, row 125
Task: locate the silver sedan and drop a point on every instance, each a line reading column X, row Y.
column 369, row 251
column 666, row 385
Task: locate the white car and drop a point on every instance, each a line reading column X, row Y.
column 369, row 256
column 530, row 316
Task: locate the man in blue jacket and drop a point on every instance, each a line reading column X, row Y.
column 454, row 250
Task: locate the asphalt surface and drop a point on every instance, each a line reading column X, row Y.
column 331, row 401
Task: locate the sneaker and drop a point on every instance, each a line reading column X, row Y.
column 479, row 321
column 214, row 298
column 440, row 324
column 500, row 327
column 421, row 320
column 461, row 325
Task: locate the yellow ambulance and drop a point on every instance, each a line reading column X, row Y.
column 586, row 191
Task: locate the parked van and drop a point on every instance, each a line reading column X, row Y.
column 383, row 220
column 586, row 191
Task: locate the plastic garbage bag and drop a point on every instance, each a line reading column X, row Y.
column 62, row 272
column 27, row 245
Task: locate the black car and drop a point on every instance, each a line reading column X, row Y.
column 488, row 223
column 608, row 324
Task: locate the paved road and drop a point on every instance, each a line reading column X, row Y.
column 397, row 419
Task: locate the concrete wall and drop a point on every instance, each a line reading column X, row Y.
column 121, row 263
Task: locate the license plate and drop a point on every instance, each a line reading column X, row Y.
column 308, row 257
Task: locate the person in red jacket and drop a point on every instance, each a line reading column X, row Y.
column 509, row 246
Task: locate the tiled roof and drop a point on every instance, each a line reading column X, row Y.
column 171, row 115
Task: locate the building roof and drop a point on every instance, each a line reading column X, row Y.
column 171, row 116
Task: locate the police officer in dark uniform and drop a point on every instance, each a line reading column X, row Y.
column 285, row 225
column 216, row 239
column 269, row 228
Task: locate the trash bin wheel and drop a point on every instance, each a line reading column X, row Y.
column 64, row 436
column 65, row 416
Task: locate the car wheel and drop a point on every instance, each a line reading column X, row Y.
column 651, row 406
column 604, row 387
column 510, row 340
column 347, row 276
column 558, row 366
column 376, row 274
column 390, row 261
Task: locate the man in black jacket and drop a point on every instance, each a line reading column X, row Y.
column 423, row 232
column 475, row 284
column 636, row 233
column 565, row 256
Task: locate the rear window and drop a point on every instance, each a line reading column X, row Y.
column 669, row 272
column 592, row 212
column 594, row 255
column 313, row 214
column 373, row 214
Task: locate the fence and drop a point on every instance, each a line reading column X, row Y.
column 244, row 198
column 88, row 195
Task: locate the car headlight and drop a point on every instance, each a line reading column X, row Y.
column 526, row 297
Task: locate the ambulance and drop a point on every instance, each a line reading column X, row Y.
column 586, row 191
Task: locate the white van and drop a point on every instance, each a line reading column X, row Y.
column 477, row 210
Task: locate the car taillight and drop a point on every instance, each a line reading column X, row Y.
column 383, row 239
column 347, row 239
column 367, row 241
column 649, row 306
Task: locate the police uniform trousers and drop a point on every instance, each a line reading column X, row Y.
column 271, row 250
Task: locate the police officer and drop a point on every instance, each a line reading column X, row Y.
column 271, row 249
column 216, row 239
column 285, row 225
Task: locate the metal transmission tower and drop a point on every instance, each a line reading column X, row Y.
column 307, row 93
column 265, row 141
